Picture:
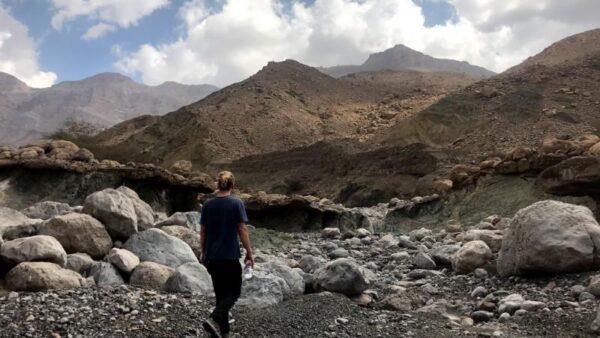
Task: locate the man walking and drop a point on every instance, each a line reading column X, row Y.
column 223, row 220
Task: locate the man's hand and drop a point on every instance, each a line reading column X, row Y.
column 249, row 260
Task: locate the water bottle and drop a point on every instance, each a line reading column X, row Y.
column 248, row 271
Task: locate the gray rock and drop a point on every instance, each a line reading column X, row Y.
column 190, row 220
column 124, row 260
column 41, row 276
column 550, row 237
column 79, row 262
column 121, row 210
column 342, row 276
column 190, row 278
column 443, row 254
column 406, row 242
column 339, row 253
column 471, row 256
column 154, row 245
column 481, row 316
column 423, row 261
column 36, row 248
column 331, row 233
column 388, row 241
column 78, row 233
column 419, row 234
column 46, row 210
column 187, row 235
column 262, row 290
column 150, row 275
column 294, row 283
column 310, row 264
column 105, row 274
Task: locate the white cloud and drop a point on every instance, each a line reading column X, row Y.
column 98, row 31
column 233, row 42
column 18, row 54
column 108, row 13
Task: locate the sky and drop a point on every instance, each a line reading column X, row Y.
column 43, row 42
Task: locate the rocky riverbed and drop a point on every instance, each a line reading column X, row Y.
column 115, row 267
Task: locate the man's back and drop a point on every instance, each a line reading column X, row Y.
column 221, row 217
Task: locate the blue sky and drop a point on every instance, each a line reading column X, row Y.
column 71, row 58
column 222, row 41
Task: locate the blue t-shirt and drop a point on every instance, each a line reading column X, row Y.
column 221, row 217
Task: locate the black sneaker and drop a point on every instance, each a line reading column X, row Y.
column 212, row 328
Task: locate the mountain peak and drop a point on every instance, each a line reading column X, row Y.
column 10, row 83
column 108, row 77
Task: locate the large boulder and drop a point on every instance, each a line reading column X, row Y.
column 310, row 264
column 41, row 276
column 79, row 262
column 121, row 210
column 150, row 275
column 105, row 274
column 124, row 260
column 187, row 235
column 262, row 290
column 46, row 210
column 294, row 282
column 443, row 254
column 576, row 176
column 14, row 221
column 550, row 237
column 190, row 219
column 154, row 245
column 471, row 256
column 343, row 276
column 36, row 248
column 78, row 233
column 190, row 278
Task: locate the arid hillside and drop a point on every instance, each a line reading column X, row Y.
column 283, row 106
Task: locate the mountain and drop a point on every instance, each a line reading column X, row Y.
column 518, row 108
column 100, row 101
column 284, row 105
column 401, row 57
column 552, row 94
column 571, row 48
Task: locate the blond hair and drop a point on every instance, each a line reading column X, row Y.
column 225, row 181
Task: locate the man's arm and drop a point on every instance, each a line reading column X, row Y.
column 245, row 238
column 202, row 242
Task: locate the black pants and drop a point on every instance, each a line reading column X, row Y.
column 227, row 282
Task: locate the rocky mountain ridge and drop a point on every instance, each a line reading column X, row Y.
column 401, row 57
column 99, row 101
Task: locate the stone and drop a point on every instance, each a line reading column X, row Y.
column 510, row 303
column 182, row 166
column 331, row 233
column 481, row 316
column 185, row 234
column 453, row 226
column 362, row 233
column 594, row 150
column 83, row 155
column 400, row 256
column 79, row 262
column 342, row 276
column 78, row 233
column 150, row 275
column 339, row 253
column 11, row 217
column 594, row 285
column 105, row 274
column 419, row 234
column 189, row 219
column 294, row 282
column 154, row 245
column 262, row 290
column 190, row 278
column 479, row 292
column 310, row 264
column 424, row 261
column 123, row 260
column 595, row 326
column 471, row 256
column 35, row 248
column 120, row 210
column 42, row 276
column 443, row 254
column 442, row 186
column 46, row 210
column 493, row 238
column 550, row 237
column 388, row 241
